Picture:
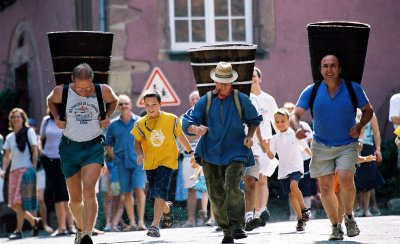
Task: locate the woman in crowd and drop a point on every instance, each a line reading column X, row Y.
column 20, row 149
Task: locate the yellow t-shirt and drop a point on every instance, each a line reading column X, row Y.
column 159, row 137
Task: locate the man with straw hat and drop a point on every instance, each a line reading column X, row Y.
column 224, row 147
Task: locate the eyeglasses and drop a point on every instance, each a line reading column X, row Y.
column 86, row 89
column 120, row 104
column 16, row 116
column 148, row 129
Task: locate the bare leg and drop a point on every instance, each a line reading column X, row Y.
column 75, row 203
column 21, row 215
column 128, row 203
column 249, row 192
column 160, row 207
column 61, row 215
column 328, row 197
column 43, row 210
column 90, row 174
column 191, row 205
column 347, row 192
column 140, row 205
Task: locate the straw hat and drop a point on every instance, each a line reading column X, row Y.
column 223, row 73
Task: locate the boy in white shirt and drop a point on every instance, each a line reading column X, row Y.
column 291, row 167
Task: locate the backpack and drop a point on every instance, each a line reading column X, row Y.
column 350, row 89
column 209, row 95
column 99, row 97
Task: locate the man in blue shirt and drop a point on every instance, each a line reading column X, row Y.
column 335, row 140
column 224, row 147
column 120, row 148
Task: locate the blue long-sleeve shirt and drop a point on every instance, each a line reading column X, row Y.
column 223, row 142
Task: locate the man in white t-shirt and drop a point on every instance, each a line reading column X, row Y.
column 394, row 117
column 256, row 181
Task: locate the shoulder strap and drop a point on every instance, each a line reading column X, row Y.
column 313, row 95
column 64, row 102
column 208, row 105
column 352, row 94
column 27, row 141
column 175, row 124
column 237, row 102
column 99, row 97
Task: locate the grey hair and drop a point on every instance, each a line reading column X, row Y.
column 83, row 71
column 193, row 93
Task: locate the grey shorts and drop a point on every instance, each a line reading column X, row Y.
column 326, row 160
column 253, row 170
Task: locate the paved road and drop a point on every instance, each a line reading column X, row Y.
column 383, row 229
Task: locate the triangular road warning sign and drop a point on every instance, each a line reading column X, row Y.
column 157, row 80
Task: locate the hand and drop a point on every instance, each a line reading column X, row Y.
column 201, row 130
column 301, row 133
column 140, row 159
column 192, row 177
column 104, row 123
column 264, row 145
column 370, row 158
column 355, row 131
column 193, row 163
column 60, row 124
column 248, row 141
column 104, row 171
column 2, row 173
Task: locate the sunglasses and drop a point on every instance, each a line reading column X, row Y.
column 120, row 104
column 148, row 129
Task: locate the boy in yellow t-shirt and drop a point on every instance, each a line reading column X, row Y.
column 155, row 144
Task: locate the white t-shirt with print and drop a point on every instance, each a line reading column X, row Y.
column 20, row 159
column 289, row 150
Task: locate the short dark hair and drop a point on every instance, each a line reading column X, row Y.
column 83, row 71
column 152, row 93
column 330, row 54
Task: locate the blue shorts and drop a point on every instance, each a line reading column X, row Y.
column 285, row 183
column 74, row 155
column 131, row 178
column 159, row 180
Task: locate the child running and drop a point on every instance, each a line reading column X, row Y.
column 155, row 144
column 291, row 167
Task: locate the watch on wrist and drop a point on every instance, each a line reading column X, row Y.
column 190, row 152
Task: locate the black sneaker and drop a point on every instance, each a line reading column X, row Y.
column 300, row 225
column 16, row 235
column 264, row 217
column 252, row 223
column 305, row 213
column 86, row 239
column 238, row 234
column 228, row 239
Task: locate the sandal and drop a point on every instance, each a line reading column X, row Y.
column 38, row 223
column 167, row 218
column 153, row 231
column 130, row 228
column 59, row 232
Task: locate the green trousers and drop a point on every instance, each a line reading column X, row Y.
column 227, row 199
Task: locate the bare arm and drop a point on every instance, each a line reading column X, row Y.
column 6, row 162
column 248, row 140
column 377, row 139
column 395, row 120
column 139, row 152
column 54, row 98
column 186, row 145
column 197, row 130
column 110, row 152
column 269, row 153
column 295, row 117
column 111, row 101
column 34, row 150
column 367, row 113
